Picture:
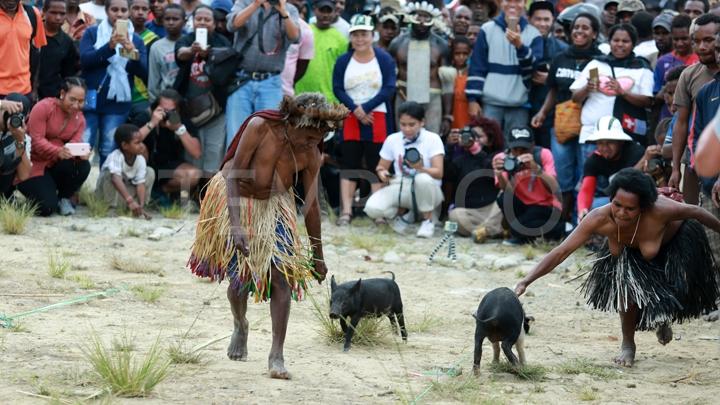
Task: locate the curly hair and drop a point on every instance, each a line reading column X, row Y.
column 496, row 142
column 312, row 110
column 636, row 182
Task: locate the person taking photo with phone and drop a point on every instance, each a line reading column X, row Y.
column 58, row 170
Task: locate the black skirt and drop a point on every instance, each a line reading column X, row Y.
column 680, row 283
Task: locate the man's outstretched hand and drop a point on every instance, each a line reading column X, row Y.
column 520, row 288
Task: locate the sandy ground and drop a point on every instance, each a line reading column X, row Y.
column 44, row 354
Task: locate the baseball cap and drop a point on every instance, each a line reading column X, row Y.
column 663, row 20
column 322, row 3
column 630, row 6
column 22, row 99
column 610, row 2
column 222, row 5
column 608, row 128
column 541, row 5
column 521, row 137
column 361, row 22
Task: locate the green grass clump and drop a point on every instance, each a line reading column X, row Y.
column 588, row 394
column 530, row 252
column 527, row 372
column 58, row 266
column 124, row 343
column 466, row 389
column 14, row 215
column 178, row 353
column 174, row 211
column 427, row 323
column 584, row 366
column 147, row 293
column 132, row 233
column 84, row 282
column 122, row 373
column 97, row 207
column 369, row 332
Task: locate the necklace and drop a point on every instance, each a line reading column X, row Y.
column 634, row 233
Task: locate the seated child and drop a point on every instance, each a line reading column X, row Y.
column 125, row 178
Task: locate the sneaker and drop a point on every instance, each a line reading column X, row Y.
column 399, row 225
column 513, row 242
column 427, row 229
column 65, row 207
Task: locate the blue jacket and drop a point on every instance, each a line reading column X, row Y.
column 499, row 74
column 94, row 64
column 707, row 102
column 387, row 68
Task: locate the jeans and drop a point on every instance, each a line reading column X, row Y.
column 105, row 125
column 255, row 95
column 599, row 202
column 507, row 117
column 570, row 160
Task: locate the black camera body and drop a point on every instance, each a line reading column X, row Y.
column 16, row 120
column 273, row 2
column 511, row 164
column 172, row 117
column 656, row 164
column 412, row 156
column 466, row 135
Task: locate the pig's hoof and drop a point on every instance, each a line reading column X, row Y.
column 626, row 357
column 278, row 370
column 237, row 350
column 346, row 349
column 664, row 334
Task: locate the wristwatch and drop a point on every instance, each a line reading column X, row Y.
column 181, row 131
column 150, row 125
column 20, row 145
column 283, row 17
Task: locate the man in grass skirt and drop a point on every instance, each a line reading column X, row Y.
column 656, row 266
column 247, row 229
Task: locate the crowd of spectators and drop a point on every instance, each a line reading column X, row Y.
column 508, row 117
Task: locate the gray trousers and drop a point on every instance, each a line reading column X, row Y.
column 107, row 191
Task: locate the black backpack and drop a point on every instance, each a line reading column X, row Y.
column 34, row 52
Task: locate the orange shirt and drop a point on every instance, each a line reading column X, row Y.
column 461, row 117
column 15, row 50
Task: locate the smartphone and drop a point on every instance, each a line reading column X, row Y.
column 121, row 27
column 78, row 149
column 512, row 23
column 201, row 37
column 594, row 75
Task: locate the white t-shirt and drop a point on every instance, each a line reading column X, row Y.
column 427, row 143
column 117, row 165
column 94, row 10
column 600, row 104
column 363, row 82
column 647, row 50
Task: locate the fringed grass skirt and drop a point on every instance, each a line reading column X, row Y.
column 680, row 283
column 273, row 240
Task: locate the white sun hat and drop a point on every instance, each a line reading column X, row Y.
column 608, row 128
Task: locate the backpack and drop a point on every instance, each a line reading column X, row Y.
column 34, row 52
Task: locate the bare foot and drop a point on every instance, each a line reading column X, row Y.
column 664, row 334
column 627, row 355
column 276, row 366
column 238, row 343
column 712, row 316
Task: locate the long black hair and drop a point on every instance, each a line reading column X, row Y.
column 636, row 182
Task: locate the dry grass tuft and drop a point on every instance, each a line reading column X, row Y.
column 179, row 353
column 97, row 207
column 526, row 372
column 588, row 394
column 584, row 366
column 58, row 266
column 132, row 266
column 174, row 211
column 14, row 215
column 427, row 323
column 84, row 282
column 148, row 294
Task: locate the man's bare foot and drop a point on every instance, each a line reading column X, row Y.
column 276, row 367
column 712, row 316
column 238, row 343
column 627, row 355
column 664, row 334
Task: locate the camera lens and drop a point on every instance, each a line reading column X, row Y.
column 510, row 164
column 412, row 155
column 16, row 120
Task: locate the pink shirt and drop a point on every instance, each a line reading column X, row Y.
column 50, row 129
column 541, row 193
column 305, row 49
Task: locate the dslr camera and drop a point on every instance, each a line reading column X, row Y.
column 172, row 117
column 16, row 120
column 412, row 156
column 466, row 135
column 656, row 164
column 273, row 2
column 511, row 164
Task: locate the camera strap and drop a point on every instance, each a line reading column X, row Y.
column 412, row 195
column 261, row 29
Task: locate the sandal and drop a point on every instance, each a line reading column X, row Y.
column 344, row 220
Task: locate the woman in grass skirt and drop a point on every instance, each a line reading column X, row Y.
column 656, row 266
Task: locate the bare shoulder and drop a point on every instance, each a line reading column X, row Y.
column 669, row 209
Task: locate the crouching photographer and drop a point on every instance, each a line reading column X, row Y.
column 14, row 157
column 414, row 190
column 527, row 172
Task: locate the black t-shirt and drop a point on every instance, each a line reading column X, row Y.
column 58, row 59
column 8, row 161
column 563, row 71
column 166, row 149
column 481, row 191
column 603, row 169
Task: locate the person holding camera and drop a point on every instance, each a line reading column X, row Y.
column 111, row 56
column 417, row 157
column 14, row 145
column 264, row 30
column 615, row 151
column 528, row 173
column 475, row 210
column 170, row 141
column 59, row 160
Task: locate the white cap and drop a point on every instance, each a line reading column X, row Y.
column 608, row 128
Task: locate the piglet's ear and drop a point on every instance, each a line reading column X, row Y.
column 356, row 287
column 333, row 284
column 474, row 315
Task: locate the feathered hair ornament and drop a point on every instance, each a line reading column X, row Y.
column 412, row 8
column 311, row 110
